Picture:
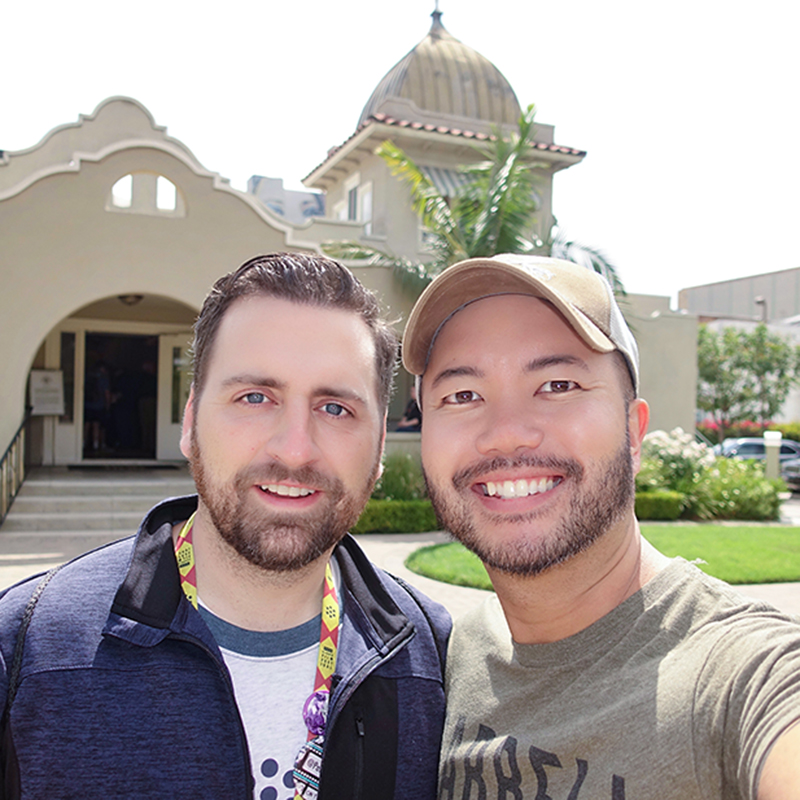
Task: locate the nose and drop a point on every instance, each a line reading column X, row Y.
column 292, row 440
column 509, row 427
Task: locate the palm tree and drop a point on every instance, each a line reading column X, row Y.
column 493, row 213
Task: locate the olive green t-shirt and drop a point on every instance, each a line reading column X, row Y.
column 677, row 693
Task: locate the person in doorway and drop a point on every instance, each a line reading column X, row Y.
column 411, row 421
column 241, row 645
column 601, row 668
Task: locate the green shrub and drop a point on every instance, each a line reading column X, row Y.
column 712, row 488
column 401, row 480
column 397, row 516
column 735, row 489
column 659, row 505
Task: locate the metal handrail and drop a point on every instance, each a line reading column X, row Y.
column 12, row 469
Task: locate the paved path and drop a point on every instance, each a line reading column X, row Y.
column 23, row 554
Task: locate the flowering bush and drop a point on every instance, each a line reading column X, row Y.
column 677, row 457
column 712, row 488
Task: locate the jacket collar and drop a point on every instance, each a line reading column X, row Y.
column 151, row 591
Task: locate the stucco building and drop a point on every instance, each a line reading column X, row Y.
column 113, row 233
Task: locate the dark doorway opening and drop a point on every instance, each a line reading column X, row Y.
column 120, row 390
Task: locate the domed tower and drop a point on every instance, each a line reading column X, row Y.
column 438, row 103
column 442, row 78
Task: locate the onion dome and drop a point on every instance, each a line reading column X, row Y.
column 443, row 76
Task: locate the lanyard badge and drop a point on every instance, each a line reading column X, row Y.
column 308, row 764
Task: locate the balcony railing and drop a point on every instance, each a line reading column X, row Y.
column 12, row 470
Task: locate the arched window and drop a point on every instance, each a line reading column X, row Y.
column 122, row 192
column 146, row 193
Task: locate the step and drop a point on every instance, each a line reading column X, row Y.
column 167, row 487
column 122, row 521
column 46, row 504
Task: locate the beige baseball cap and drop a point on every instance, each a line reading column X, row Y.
column 582, row 295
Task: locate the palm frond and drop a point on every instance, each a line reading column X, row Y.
column 411, row 274
column 590, row 257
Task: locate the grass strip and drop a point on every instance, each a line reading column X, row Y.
column 736, row 554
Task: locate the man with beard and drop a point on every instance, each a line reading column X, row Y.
column 241, row 645
column 601, row 669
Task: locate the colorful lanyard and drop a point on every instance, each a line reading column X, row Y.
column 315, row 711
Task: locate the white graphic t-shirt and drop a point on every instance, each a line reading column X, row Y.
column 273, row 675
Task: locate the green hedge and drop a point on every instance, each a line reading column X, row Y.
column 659, row 505
column 397, row 516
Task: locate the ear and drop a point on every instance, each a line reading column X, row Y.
column 383, row 444
column 186, row 428
column 638, row 420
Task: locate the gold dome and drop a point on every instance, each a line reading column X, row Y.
column 443, row 76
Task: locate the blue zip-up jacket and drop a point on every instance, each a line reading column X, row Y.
column 123, row 691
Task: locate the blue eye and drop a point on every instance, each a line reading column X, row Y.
column 334, row 409
column 255, row 398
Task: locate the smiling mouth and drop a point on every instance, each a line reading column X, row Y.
column 282, row 490
column 508, row 490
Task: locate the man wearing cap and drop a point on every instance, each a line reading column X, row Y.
column 601, row 669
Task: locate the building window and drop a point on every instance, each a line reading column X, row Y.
column 365, row 202
column 122, row 192
column 146, row 193
column 166, row 194
column 352, row 204
column 67, row 366
column 356, row 205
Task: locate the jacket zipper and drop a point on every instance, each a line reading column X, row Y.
column 359, row 765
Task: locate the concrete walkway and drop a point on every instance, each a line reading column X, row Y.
column 23, row 553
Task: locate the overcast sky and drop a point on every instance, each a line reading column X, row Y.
column 688, row 110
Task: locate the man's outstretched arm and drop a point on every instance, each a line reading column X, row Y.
column 780, row 778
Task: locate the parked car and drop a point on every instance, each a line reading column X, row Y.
column 753, row 447
column 790, row 472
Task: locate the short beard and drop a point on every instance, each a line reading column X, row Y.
column 597, row 504
column 273, row 541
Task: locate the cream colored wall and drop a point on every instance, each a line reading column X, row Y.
column 63, row 249
column 668, row 360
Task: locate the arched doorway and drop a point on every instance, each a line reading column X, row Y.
column 124, row 362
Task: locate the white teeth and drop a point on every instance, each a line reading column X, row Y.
column 519, row 488
column 286, row 491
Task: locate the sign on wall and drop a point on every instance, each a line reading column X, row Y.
column 47, row 392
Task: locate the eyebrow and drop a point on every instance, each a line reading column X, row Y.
column 455, row 372
column 261, row 381
column 254, row 380
column 555, row 360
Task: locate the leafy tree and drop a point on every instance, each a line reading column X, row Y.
column 494, row 212
column 774, row 367
column 722, row 390
column 744, row 374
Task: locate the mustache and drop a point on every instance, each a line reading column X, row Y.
column 275, row 472
column 567, row 467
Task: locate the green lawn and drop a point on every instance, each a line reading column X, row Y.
column 736, row 554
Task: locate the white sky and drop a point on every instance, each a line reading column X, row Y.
column 688, row 109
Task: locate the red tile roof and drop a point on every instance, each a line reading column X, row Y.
column 385, row 119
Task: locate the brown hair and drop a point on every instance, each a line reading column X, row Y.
column 301, row 278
